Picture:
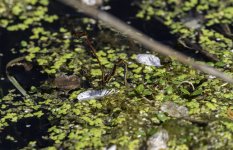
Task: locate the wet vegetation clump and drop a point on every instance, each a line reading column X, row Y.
column 154, row 103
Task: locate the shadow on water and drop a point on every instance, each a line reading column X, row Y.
column 9, row 40
column 125, row 11
column 24, row 131
column 26, row 78
column 153, row 28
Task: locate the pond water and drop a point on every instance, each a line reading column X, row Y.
column 145, row 117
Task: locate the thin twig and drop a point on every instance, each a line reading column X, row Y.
column 12, row 78
column 188, row 82
column 144, row 39
column 96, row 56
column 109, row 76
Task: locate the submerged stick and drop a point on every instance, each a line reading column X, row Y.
column 12, row 78
column 144, row 39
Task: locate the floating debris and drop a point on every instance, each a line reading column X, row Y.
column 93, row 2
column 211, row 77
column 67, row 82
column 28, row 126
column 148, row 59
column 174, row 110
column 192, row 22
column 230, row 113
column 158, row 141
column 113, row 147
column 94, row 94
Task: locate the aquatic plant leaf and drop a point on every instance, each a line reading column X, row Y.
column 185, row 91
column 158, row 141
column 140, row 88
column 148, row 59
column 94, row 94
column 197, row 92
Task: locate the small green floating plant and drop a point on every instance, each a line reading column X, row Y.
column 21, row 14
